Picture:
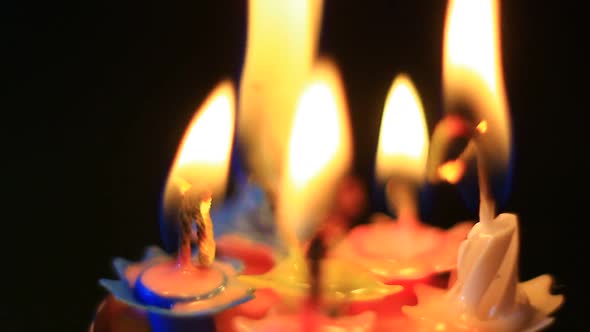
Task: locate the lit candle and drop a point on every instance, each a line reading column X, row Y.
column 281, row 48
column 318, row 158
column 182, row 293
column 283, row 87
column 405, row 251
column 486, row 295
column 281, row 44
column 402, row 148
column 200, row 169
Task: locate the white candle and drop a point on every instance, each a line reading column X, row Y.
column 486, row 295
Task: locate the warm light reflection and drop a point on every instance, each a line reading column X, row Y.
column 473, row 78
column 319, row 153
column 203, row 156
column 403, row 138
column 280, row 51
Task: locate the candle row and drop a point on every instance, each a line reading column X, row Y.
column 280, row 256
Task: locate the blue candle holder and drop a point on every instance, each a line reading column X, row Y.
column 161, row 311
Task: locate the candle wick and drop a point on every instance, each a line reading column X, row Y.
column 205, row 236
column 402, row 199
column 487, row 205
column 315, row 255
column 195, row 208
column 453, row 127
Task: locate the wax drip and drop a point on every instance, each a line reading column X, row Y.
column 195, row 208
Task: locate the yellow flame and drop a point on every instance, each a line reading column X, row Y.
column 203, row 157
column 319, row 153
column 280, row 51
column 482, row 127
column 472, row 73
column 403, row 138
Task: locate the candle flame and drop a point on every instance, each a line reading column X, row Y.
column 320, row 152
column 452, row 171
column 403, row 138
column 281, row 48
column 482, row 127
column 473, row 79
column 203, row 157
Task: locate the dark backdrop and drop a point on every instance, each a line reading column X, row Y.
column 105, row 89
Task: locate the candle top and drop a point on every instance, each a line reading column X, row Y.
column 233, row 293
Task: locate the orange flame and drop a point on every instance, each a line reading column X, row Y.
column 281, row 48
column 320, row 152
column 403, row 138
column 482, row 127
column 452, row 171
column 472, row 75
column 202, row 160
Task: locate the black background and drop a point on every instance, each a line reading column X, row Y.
column 103, row 91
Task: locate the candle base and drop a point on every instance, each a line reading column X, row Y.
column 167, row 284
column 191, row 305
column 389, row 308
column 435, row 310
column 395, row 252
column 342, row 281
column 486, row 295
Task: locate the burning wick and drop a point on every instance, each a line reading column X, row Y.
column 195, row 208
column 315, row 255
column 447, row 130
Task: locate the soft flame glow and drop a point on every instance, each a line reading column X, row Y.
column 482, row 127
column 472, row 75
column 316, row 113
column 452, row 171
column 403, row 138
column 319, row 154
column 281, row 48
column 203, row 157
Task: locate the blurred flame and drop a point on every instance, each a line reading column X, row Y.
column 452, row 171
column 472, row 75
column 281, row 48
column 319, row 155
column 403, row 138
column 482, row 127
column 203, row 157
